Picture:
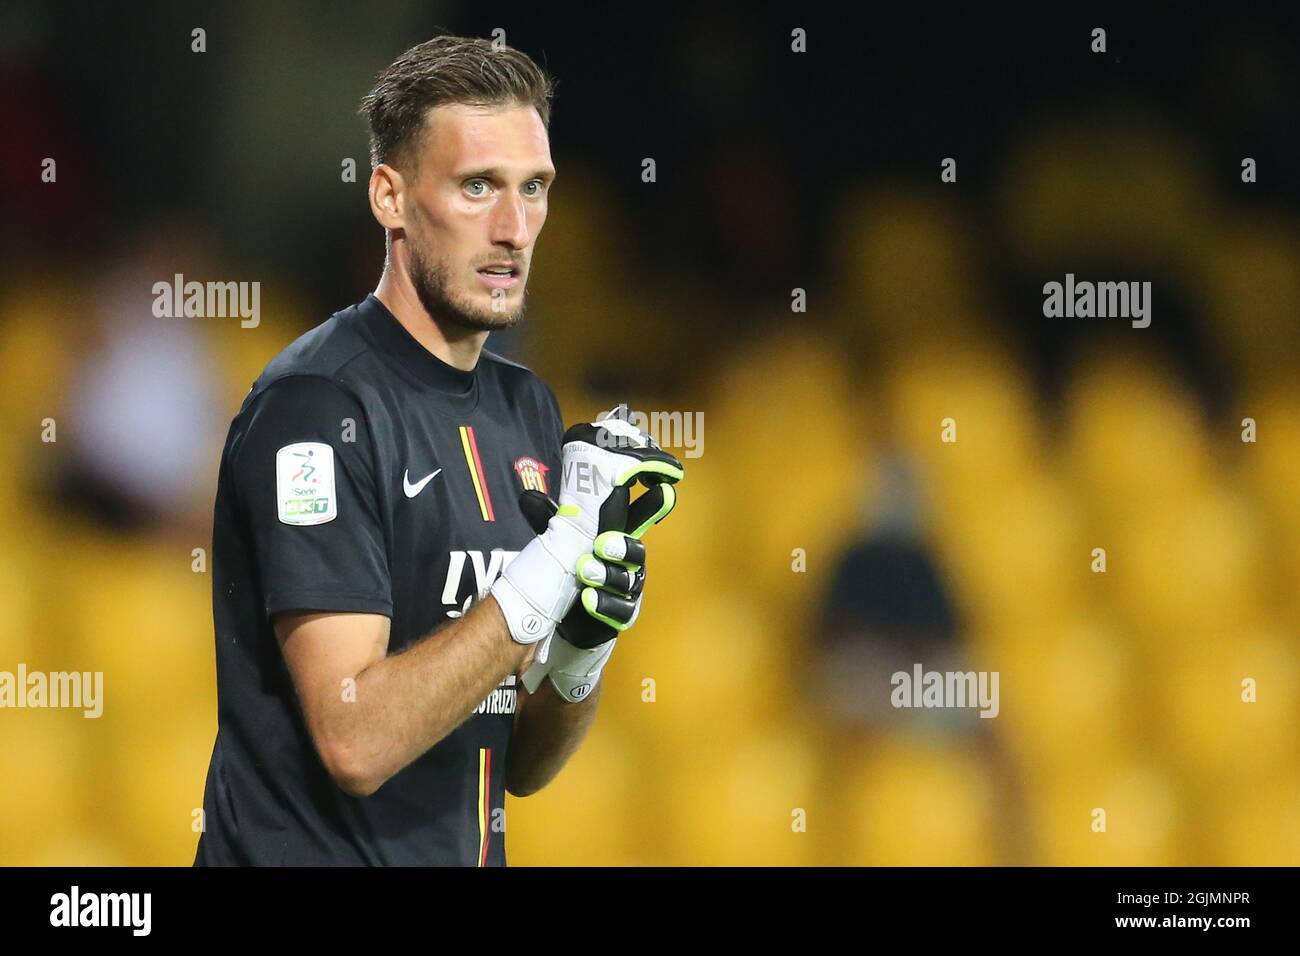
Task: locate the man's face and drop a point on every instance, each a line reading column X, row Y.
column 475, row 208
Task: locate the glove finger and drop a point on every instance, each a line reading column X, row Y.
column 614, row 510
column 611, row 577
column 650, row 508
column 655, row 466
column 609, row 609
column 620, row 548
column 583, row 631
column 538, row 509
column 636, row 612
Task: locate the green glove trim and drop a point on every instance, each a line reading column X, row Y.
column 669, row 503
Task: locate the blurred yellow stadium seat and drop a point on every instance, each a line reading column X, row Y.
column 712, row 663
column 134, row 610
column 143, row 617
column 983, row 390
column 593, row 812
column 1134, row 436
column 240, row 354
column 690, row 552
column 1267, row 469
column 904, row 260
column 35, row 362
column 1118, row 189
column 24, row 625
column 1015, row 553
column 589, row 276
column 1142, row 817
column 1208, row 728
column 917, row 801
column 751, row 802
column 1256, row 822
column 1269, row 462
column 49, row 796
column 78, row 847
column 1186, row 563
column 1067, row 697
column 154, row 786
column 816, row 499
column 1248, row 276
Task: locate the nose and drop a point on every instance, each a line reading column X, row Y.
column 510, row 222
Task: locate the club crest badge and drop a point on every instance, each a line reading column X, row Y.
column 532, row 473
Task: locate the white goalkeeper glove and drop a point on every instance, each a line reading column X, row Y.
column 613, row 573
column 539, row 587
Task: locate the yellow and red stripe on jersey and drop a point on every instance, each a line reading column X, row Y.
column 476, row 474
column 484, row 802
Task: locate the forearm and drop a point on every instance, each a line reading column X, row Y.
column 409, row 701
column 547, row 732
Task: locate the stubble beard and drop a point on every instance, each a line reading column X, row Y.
column 429, row 276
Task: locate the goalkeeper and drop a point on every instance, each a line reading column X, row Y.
column 409, row 622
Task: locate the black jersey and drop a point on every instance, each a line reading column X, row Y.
column 364, row 474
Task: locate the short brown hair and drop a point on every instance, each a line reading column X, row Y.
column 447, row 69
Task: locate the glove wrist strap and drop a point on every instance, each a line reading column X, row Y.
column 574, row 671
column 539, row 586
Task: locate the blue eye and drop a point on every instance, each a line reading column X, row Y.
column 476, row 182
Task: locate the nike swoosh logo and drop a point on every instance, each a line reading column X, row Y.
column 414, row 489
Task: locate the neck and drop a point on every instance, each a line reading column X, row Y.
column 459, row 348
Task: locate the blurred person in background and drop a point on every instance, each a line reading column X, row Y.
column 144, row 399
column 888, row 610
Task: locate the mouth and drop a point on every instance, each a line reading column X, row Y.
column 501, row 276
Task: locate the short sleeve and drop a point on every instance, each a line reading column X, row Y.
column 306, row 479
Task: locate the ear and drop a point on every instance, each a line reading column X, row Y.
column 388, row 197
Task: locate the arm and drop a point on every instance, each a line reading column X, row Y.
column 370, row 713
column 546, row 733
